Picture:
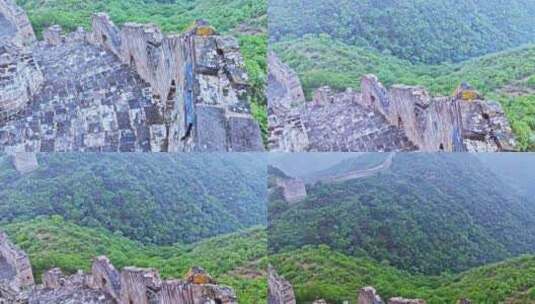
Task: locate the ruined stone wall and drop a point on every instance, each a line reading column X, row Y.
column 441, row 123
column 286, row 99
column 280, row 291
column 404, row 118
column 198, row 95
column 15, row 25
column 15, row 266
column 198, row 80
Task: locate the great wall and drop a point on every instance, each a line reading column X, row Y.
column 402, row 118
column 281, row 292
column 103, row 285
column 121, row 89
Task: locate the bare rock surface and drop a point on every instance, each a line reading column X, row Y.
column 402, row 118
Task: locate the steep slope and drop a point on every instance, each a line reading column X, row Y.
column 53, row 242
column 427, row 213
column 320, row 272
column 161, row 198
column 421, row 31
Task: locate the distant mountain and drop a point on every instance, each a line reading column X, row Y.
column 426, row 31
column 318, row 272
column 428, row 213
column 156, row 198
column 358, row 163
column 303, row 164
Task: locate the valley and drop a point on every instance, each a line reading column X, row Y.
column 437, row 227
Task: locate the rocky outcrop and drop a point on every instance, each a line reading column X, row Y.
column 293, row 190
column 280, row 291
column 134, row 89
column 402, row 118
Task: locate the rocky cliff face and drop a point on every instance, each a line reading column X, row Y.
column 402, row 118
column 131, row 89
column 104, row 285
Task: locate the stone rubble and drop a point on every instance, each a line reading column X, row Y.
column 128, row 89
column 403, row 118
column 103, row 285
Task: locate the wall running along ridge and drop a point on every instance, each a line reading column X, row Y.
column 403, row 118
column 123, row 89
column 104, row 285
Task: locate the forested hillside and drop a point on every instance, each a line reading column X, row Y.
column 158, row 198
column 321, row 272
column 245, row 19
column 428, row 213
column 236, row 260
column 427, row 31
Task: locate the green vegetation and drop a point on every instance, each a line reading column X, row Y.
column 161, row 199
column 245, row 19
column 54, row 242
column 426, row 31
column 320, row 272
column 521, row 113
column 428, row 213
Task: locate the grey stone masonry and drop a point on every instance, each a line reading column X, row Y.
column 402, row 118
column 124, row 89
